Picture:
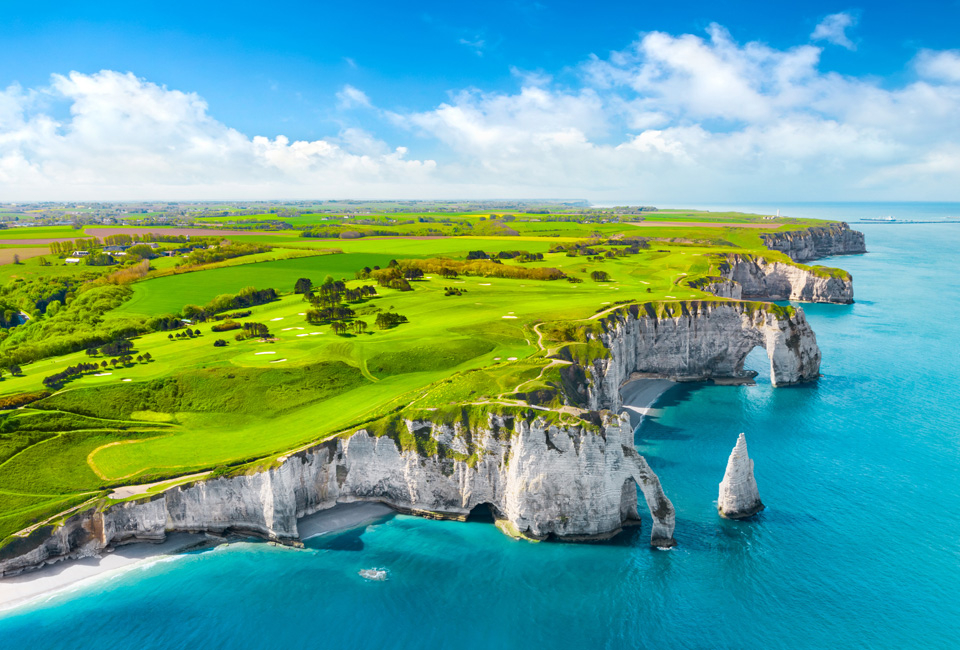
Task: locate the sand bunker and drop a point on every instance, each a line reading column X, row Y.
column 258, row 353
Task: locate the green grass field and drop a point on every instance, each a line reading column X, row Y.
column 196, row 406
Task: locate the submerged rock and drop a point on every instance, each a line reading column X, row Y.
column 739, row 496
column 373, row 574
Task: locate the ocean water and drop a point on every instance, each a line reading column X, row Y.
column 859, row 546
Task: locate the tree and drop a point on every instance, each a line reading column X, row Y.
column 92, row 352
column 196, row 332
column 170, row 336
column 359, row 326
column 147, row 357
column 139, row 358
column 303, row 285
column 15, row 370
column 600, row 276
column 114, row 361
column 219, row 343
column 103, row 364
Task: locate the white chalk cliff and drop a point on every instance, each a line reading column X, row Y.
column 751, row 277
column 540, row 480
column 816, row 242
column 739, row 497
column 695, row 341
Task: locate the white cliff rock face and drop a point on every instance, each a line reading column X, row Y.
column 739, row 497
column 700, row 340
column 541, row 479
column 813, row 243
column 762, row 279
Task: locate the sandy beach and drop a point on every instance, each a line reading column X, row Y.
column 640, row 394
column 18, row 590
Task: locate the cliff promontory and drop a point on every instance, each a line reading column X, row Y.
column 816, row 242
column 753, row 277
column 696, row 341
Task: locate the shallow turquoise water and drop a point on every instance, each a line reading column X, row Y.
column 859, row 545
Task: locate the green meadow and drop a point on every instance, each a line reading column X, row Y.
column 195, row 406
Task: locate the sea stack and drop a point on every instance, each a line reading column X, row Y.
column 739, row 497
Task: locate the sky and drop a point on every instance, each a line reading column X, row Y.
column 720, row 101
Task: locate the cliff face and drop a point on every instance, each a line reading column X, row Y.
column 756, row 278
column 698, row 340
column 739, row 497
column 816, row 242
column 540, row 479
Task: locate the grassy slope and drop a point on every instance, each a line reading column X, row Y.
column 230, row 409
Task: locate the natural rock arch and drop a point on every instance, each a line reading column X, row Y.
column 699, row 340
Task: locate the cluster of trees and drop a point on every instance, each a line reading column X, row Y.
column 519, row 256
column 487, row 268
column 253, row 331
column 57, row 379
column 247, row 297
column 186, row 334
column 219, row 343
column 393, row 278
column 333, row 292
column 453, row 291
column 340, row 327
column 326, row 315
column 340, row 232
column 223, row 252
column 386, row 320
column 165, row 323
column 600, row 276
column 328, row 300
column 592, row 248
column 113, row 348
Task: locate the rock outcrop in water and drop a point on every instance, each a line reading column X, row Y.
column 750, row 277
column 739, row 497
column 696, row 341
column 540, row 479
column 816, row 242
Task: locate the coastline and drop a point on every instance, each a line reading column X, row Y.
column 25, row 588
column 639, row 396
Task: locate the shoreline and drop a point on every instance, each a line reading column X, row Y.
column 639, row 395
column 17, row 591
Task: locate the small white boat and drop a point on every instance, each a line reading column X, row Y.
column 373, row 574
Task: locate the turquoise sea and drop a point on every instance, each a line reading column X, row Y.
column 859, row 546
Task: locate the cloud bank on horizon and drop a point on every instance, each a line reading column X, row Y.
column 669, row 118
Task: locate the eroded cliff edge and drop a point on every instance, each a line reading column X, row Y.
column 816, row 242
column 741, row 276
column 541, row 478
column 694, row 340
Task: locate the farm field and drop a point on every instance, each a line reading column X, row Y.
column 194, row 406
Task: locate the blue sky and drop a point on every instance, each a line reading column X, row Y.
column 603, row 100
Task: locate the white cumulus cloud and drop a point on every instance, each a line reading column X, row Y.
column 833, row 29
